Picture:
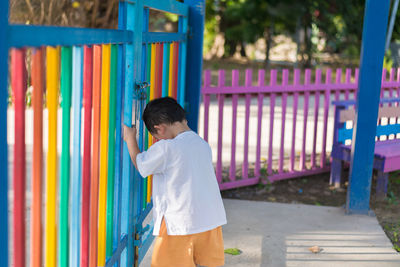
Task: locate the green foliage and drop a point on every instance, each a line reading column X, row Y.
column 263, row 171
column 339, row 22
column 391, row 198
column 388, row 60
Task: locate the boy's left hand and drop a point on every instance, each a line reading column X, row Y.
column 129, row 133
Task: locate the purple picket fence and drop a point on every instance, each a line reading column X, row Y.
column 281, row 129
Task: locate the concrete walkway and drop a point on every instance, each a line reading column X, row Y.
column 273, row 234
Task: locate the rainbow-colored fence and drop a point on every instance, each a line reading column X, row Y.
column 72, row 80
column 88, row 204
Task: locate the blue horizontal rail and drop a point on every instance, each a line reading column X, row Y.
column 147, row 240
column 347, row 103
column 35, row 36
column 170, row 6
column 144, row 213
column 347, row 134
column 161, row 37
column 117, row 252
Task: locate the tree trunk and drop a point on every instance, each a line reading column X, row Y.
column 243, row 50
column 298, row 41
column 307, row 41
column 269, row 34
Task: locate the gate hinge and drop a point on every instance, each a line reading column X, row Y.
column 140, row 230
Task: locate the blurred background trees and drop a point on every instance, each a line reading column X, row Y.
column 303, row 33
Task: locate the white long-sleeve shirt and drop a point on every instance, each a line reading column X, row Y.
column 185, row 188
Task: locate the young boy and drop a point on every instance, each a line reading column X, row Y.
column 187, row 206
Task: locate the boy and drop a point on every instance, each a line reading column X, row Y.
column 187, row 206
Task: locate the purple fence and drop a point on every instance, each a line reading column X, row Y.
column 281, row 129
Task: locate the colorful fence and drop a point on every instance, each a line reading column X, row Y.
column 85, row 84
column 284, row 128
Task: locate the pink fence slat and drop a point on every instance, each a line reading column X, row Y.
column 206, row 99
column 356, row 75
column 328, row 80
column 391, row 79
column 295, row 103
column 338, row 81
column 348, row 81
column 221, row 82
column 285, row 79
column 245, row 169
column 383, row 89
column 305, row 116
column 232, row 169
column 316, row 109
column 271, row 121
column 260, row 100
column 206, row 115
column 397, row 89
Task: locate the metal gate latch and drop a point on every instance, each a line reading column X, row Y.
column 141, row 90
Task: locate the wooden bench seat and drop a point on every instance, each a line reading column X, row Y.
column 387, row 152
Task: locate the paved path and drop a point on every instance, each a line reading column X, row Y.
column 273, row 234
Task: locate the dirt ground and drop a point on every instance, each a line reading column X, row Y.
column 315, row 190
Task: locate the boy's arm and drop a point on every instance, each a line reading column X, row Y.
column 130, row 139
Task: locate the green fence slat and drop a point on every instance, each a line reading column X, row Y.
column 111, row 152
column 66, row 87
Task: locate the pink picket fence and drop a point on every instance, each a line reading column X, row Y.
column 278, row 127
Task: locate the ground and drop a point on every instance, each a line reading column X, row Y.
column 315, row 190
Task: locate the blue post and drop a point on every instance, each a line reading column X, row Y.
column 195, row 57
column 133, row 20
column 118, row 136
column 137, row 78
column 367, row 105
column 128, row 23
column 3, row 134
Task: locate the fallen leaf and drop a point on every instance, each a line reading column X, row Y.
column 233, row 251
column 315, row 249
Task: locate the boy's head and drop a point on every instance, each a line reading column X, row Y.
column 162, row 112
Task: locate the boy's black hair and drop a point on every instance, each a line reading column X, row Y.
column 162, row 110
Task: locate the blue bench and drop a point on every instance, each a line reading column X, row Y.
column 387, row 152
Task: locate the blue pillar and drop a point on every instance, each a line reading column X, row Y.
column 367, row 105
column 130, row 18
column 3, row 134
column 194, row 64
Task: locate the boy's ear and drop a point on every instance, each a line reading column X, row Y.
column 159, row 129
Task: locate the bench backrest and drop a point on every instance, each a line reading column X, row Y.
column 345, row 112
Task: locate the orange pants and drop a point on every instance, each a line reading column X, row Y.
column 205, row 249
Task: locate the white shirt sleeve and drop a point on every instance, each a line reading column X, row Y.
column 153, row 160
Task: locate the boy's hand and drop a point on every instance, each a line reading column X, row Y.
column 130, row 139
column 129, row 133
